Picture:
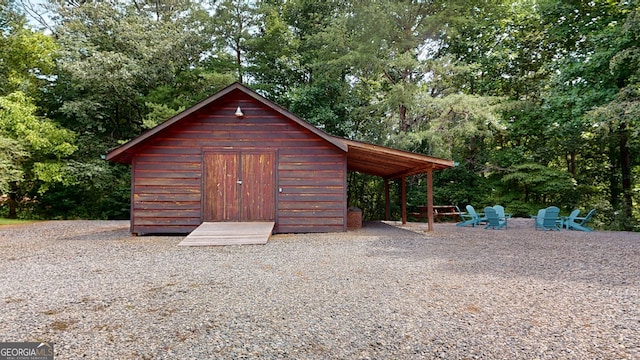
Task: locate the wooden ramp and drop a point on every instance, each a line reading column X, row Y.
column 229, row 233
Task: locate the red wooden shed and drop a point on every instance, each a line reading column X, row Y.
column 237, row 156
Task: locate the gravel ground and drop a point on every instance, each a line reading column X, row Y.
column 381, row 292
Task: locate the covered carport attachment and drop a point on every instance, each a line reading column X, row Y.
column 390, row 164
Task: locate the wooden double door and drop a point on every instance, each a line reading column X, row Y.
column 239, row 186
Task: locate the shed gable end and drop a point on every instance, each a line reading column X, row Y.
column 309, row 192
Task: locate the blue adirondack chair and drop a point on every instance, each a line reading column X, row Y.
column 577, row 223
column 500, row 211
column 569, row 219
column 538, row 216
column 493, row 220
column 470, row 218
column 547, row 219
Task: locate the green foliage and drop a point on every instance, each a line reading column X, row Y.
column 158, row 114
column 273, row 53
column 12, row 154
column 460, row 186
column 232, row 24
column 366, row 192
column 321, row 104
column 541, row 185
column 457, row 124
column 25, row 55
column 113, row 55
column 18, row 121
column 38, row 139
column 99, row 191
column 38, row 145
column 537, row 100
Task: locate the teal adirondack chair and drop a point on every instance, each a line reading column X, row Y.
column 470, row 218
column 569, row 219
column 547, row 219
column 493, row 220
column 577, row 223
column 500, row 211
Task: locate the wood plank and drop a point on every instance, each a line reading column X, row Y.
column 163, row 165
column 310, row 221
column 170, row 222
column 313, row 213
column 229, row 233
column 328, row 156
column 171, row 151
column 306, row 174
column 166, row 189
column 305, row 190
column 167, row 205
column 163, row 229
column 298, row 166
column 166, row 212
column 319, row 204
column 318, row 182
column 193, row 182
column 168, row 174
column 308, row 229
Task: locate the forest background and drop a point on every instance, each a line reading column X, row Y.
column 538, row 101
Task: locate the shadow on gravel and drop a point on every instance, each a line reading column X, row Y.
column 104, row 235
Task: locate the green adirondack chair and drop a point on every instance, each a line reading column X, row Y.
column 547, row 219
column 493, row 220
column 577, row 223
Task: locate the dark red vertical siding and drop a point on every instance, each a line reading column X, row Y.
column 310, row 179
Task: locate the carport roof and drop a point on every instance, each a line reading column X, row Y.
column 389, row 163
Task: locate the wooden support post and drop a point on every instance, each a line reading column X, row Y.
column 430, row 199
column 387, row 203
column 404, row 200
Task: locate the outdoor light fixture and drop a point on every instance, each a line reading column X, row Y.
column 239, row 112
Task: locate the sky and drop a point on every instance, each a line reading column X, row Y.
column 36, row 14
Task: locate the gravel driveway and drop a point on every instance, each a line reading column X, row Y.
column 381, row 292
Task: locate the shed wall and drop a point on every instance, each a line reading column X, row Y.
column 167, row 173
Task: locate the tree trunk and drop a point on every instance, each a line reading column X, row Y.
column 473, row 152
column 571, row 163
column 403, row 118
column 239, row 64
column 614, row 184
column 625, row 169
column 13, row 202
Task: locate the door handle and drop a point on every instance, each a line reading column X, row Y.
column 239, row 182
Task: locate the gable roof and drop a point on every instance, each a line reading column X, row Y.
column 362, row 157
column 125, row 152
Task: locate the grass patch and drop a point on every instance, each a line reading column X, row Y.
column 4, row 221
